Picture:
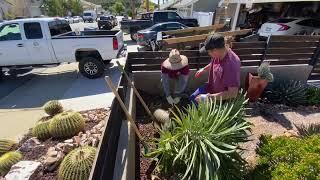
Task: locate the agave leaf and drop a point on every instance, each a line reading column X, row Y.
column 190, row 164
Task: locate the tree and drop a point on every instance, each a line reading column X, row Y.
column 62, row 7
column 118, row 7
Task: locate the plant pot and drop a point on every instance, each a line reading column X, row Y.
column 255, row 86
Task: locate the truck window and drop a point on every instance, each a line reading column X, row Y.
column 173, row 16
column 10, row 32
column 33, row 30
column 59, row 27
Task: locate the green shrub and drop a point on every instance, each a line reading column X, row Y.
column 313, row 96
column 288, row 92
column 285, row 158
column 204, row 142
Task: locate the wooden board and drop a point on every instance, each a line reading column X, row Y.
column 193, row 30
column 292, row 44
column 293, row 38
column 290, row 51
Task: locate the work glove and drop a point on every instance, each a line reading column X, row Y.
column 170, row 100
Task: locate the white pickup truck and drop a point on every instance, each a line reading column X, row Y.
column 41, row 42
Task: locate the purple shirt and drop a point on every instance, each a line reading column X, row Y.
column 224, row 74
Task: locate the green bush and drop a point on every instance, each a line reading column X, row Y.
column 204, row 142
column 285, row 158
column 313, row 96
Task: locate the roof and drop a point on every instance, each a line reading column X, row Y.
column 48, row 19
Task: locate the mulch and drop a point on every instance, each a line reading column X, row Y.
column 38, row 151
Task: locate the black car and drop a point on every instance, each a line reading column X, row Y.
column 105, row 23
column 150, row 19
column 148, row 36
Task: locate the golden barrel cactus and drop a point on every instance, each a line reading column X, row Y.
column 66, row 124
column 42, row 131
column 77, row 164
column 8, row 160
column 53, row 107
column 6, row 145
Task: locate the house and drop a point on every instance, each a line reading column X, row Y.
column 203, row 10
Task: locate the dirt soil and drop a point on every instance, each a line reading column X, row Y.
column 36, row 152
column 266, row 118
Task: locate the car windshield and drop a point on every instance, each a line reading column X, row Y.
column 87, row 14
column 104, row 18
column 283, row 20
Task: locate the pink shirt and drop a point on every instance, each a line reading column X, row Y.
column 224, row 74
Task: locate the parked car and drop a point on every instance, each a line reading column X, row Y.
column 89, row 16
column 133, row 26
column 69, row 19
column 289, row 26
column 105, row 23
column 50, row 41
column 114, row 20
column 77, row 19
column 147, row 37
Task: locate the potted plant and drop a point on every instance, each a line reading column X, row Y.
column 255, row 85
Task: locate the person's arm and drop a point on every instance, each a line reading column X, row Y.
column 202, row 70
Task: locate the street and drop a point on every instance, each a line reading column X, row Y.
column 23, row 93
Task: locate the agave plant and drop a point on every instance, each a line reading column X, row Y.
column 204, row 142
column 308, row 130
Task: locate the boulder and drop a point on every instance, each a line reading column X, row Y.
column 22, row 170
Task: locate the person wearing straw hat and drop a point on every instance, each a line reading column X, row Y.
column 224, row 71
column 174, row 68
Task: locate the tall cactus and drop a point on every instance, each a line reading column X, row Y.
column 66, row 124
column 53, row 107
column 42, row 131
column 77, row 164
column 6, row 145
column 8, row 160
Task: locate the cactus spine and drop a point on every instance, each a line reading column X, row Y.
column 77, row 164
column 8, row 160
column 6, row 146
column 42, row 131
column 53, row 107
column 66, row 124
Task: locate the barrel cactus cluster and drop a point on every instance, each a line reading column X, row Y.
column 53, row 107
column 6, row 146
column 61, row 125
column 42, row 131
column 7, row 160
column 77, row 164
column 66, row 124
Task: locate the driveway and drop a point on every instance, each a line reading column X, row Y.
column 23, row 95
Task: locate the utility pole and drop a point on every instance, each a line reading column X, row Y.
column 159, row 5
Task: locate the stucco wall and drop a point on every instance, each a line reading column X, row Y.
column 205, row 5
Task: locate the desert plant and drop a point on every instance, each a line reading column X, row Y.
column 264, row 72
column 53, row 107
column 308, row 130
column 6, row 145
column 41, row 130
column 66, row 124
column 7, row 160
column 204, row 142
column 313, row 95
column 289, row 92
column 77, row 164
column 286, row 158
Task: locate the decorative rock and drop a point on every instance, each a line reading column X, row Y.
column 77, row 140
column 80, row 134
column 67, row 148
column 30, row 144
column 22, row 170
column 95, row 143
column 52, row 152
column 52, row 163
column 50, row 160
column 59, row 146
column 69, row 141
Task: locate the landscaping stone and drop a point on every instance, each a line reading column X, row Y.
column 69, row 141
column 22, row 170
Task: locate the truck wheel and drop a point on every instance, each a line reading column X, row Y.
column 91, row 67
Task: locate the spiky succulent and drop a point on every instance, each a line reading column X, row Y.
column 6, row 145
column 77, row 164
column 288, row 92
column 66, row 124
column 203, row 145
column 41, row 130
column 308, row 130
column 264, row 72
column 53, row 107
column 7, row 160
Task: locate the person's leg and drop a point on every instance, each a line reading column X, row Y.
column 165, row 84
column 182, row 84
column 200, row 90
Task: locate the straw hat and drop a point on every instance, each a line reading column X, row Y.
column 175, row 60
